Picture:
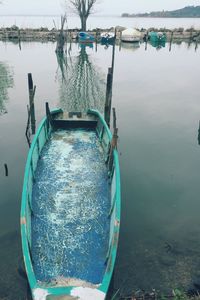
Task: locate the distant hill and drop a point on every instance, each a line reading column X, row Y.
column 186, row 12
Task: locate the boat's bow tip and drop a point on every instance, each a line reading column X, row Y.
column 85, row 293
column 77, row 293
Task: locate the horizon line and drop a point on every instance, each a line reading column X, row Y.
column 55, row 15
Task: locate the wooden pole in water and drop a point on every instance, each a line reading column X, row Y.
column 27, row 128
column 96, row 40
column 48, row 115
column 113, row 51
column 199, row 134
column 171, row 39
column 114, row 119
column 146, row 40
column 108, row 96
column 120, row 41
column 19, row 39
column 6, row 170
column 32, row 90
column 113, row 142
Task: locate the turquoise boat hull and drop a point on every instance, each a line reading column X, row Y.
column 84, row 37
column 70, row 211
column 157, row 37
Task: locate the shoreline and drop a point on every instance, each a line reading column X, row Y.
column 44, row 34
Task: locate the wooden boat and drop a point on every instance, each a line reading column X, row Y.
column 157, row 37
column 84, row 37
column 107, row 38
column 70, row 212
column 130, row 35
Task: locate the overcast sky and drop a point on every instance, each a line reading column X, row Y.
column 108, row 7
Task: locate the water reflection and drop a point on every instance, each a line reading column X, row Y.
column 6, row 82
column 199, row 134
column 159, row 246
column 31, row 121
column 12, row 285
column 129, row 46
column 157, row 44
column 6, row 170
column 82, row 84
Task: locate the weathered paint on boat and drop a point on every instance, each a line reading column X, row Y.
column 73, row 288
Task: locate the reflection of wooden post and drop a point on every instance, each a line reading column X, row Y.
column 114, row 119
column 108, row 96
column 146, row 39
column 113, row 52
column 113, row 144
column 96, row 38
column 199, row 134
column 191, row 35
column 170, row 42
column 19, row 39
column 6, row 170
column 120, row 41
column 196, row 45
column 60, row 37
column 31, row 101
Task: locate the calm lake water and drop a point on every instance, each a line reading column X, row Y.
column 95, row 21
column 156, row 93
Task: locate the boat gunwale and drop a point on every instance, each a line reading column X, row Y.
column 25, row 246
column 61, row 290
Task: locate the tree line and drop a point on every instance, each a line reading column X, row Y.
column 186, row 12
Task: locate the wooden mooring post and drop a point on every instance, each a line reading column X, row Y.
column 114, row 141
column 199, row 134
column 171, row 40
column 31, row 90
column 19, row 39
column 6, row 170
column 146, row 40
column 48, row 115
column 109, row 85
column 113, row 52
column 108, row 102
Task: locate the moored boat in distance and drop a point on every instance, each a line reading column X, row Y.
column 157, row 36
column 70, row 211
column 84, row 37
column 107, row 38
column 130, row 35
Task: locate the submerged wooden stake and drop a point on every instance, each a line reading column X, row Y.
column 6, row 170
column 113, row 52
